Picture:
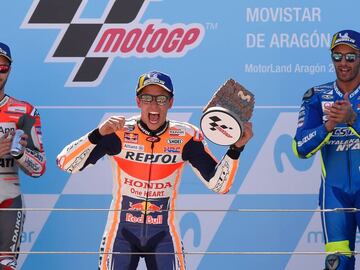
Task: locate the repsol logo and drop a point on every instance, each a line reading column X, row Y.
column 157, row 158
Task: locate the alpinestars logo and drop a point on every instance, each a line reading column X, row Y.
column 94, row 43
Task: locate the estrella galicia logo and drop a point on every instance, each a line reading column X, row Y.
column 94, row 43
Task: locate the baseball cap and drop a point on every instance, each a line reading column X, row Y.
column 5, row 51
column 155, row 77
column 346, row 37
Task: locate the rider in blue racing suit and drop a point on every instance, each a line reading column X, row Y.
column 329, row 121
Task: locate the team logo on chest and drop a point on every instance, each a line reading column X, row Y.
column 7, row 127
column 131, row 137
column 153, row 158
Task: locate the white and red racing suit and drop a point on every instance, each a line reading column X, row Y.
column 15, row 114
column 147, row 167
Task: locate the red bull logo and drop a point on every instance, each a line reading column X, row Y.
column 147, row 208
column 149, row 219
column 137, row 207
column 144, row 207
column 151, row 208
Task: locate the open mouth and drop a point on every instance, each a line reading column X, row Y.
column 154, row 117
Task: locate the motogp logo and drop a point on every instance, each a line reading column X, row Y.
column 92, row 44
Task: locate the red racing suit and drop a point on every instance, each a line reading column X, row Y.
column 15, row 114
column 147, row 167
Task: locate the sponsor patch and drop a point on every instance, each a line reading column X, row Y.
column 354, row 93
column 6, row 127
column 306, row 138
column 174, row 141
column 30, row 163
column 325, row 105
column 153, row 139
column 19, row 109
column 39, row 134
column 38, row 130
column 35, row 154
column 223, row 177
column 308, row 94
column 131, row 137
column 177, row 132
column 172, row 149
column 147, row 157
column 327, row 97
column 130, row 127
column 35, row 112
column 342, row 132
column 78, row 160
column 131, row 146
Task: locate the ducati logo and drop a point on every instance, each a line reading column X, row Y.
column 92, row 44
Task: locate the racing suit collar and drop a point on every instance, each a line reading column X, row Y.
column 341, row 94
column 144, row 128
column 4, row 100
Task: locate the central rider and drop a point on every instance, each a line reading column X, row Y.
column 148, row 154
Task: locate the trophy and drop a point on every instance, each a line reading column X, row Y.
column 224, row 115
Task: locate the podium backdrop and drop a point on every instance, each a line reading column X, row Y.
column 78, row 62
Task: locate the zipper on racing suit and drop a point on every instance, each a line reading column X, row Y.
column 348, row 157
column 144, row 229
column 153, row 137
column 349, row 167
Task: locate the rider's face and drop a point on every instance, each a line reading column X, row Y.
column 4, row 75
column 346, row 71
column 154, row 111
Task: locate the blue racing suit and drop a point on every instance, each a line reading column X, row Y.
column 340, row 163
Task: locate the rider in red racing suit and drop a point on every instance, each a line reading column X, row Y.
column 15, row 114
column 147, row 157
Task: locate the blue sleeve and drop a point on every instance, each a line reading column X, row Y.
column 311, row 133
